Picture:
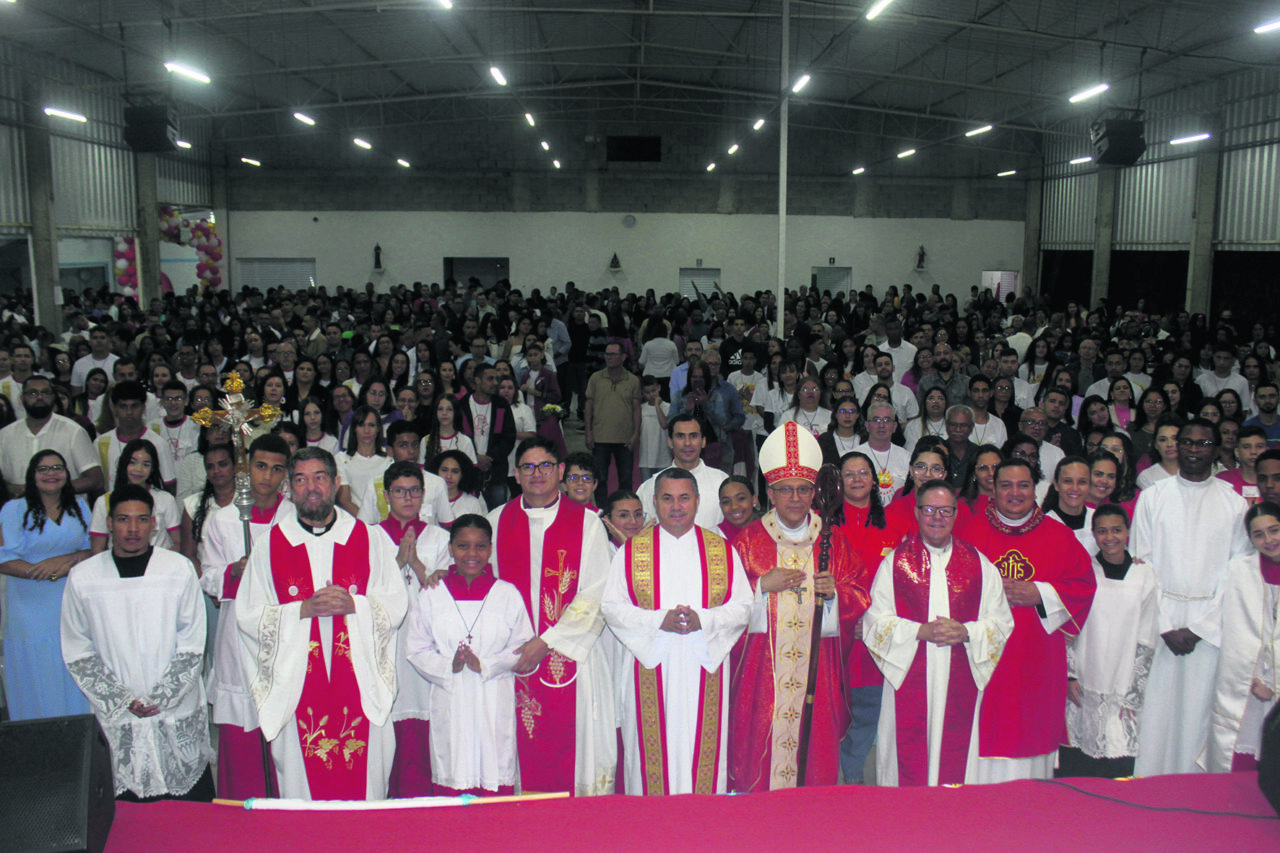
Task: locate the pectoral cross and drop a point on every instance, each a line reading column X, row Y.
column 799, row 591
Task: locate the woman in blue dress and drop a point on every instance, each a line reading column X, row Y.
column 42, row 535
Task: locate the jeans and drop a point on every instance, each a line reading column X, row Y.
column 495, row 494
column 623, row 457
column 864, row 704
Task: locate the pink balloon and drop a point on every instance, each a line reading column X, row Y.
column 215, row 280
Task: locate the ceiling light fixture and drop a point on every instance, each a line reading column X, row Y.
column 1183, row 140
column 711, row 168
column 187, row 71
column 1269, row 27
column 876, row 8
column 67, row 114
column 733, row 149
column 497, row 75
column 529, row 118
column 446, row 4
column 978, row 131
column 546, row 146
column 250, row 161
column 908, row 153
column 556, row 163
column 1091, row 92
column 759, row 124
column 182, row 143
column 361, row 143
column 1079, row 160
column 800, row 84
column 305, row 119
column 1008, row 174
column 860, row 170
column 403, row 162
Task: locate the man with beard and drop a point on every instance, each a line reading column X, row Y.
column 318, row 609
column 1188, row 527
column 40, row 430
column 953, row 382
column 1266, row 395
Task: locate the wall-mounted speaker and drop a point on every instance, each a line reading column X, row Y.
column 1117, row 142
column 151, row 129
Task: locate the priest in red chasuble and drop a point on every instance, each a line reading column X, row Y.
column 783, row 557
column 317, row 610
column 1049, row 584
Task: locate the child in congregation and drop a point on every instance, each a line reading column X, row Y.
column 655, row 453
column 463, row 637
column 580, row 478
column 463, row 480
column 140, row 465
column 1108, row 662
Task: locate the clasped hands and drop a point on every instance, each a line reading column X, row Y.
column 943, row 632
column 681, row 619
column 330, row 601
column 465, row 657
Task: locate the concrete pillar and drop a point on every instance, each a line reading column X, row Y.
column 591, row 191
column 44, row 228
column 1204, row 218
column 148, row 240
column 1034, row 218
column 519, row 192
column 962, row 200
column 222, row 220
column 1104, row 227
column 728, row 201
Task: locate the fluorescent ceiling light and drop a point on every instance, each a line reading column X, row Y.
column 711, row 168
column 860, row 170
column 733, row 149
column 403, row 162
column 1091, row 92
column 250, row 161
column 67, row 114
column 187, row 71
column 496, row 72
column 546, row 146
column 556, row 163
column 529, row 118
column 903, row 154
column 1183, row 140
column 305, row 119
column 978, row 131
column 759, row 124
column 1079, row 160
column 1008, row 174
column 1269, row 27
column 182, row 143
column 446, row 4
column 360, row 142
column 800, row 84
column 876, row 8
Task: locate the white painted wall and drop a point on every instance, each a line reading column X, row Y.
column 548, row 249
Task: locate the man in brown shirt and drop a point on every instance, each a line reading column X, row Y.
column 612, row 420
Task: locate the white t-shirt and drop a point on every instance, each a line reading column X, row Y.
column 85, row 363
column 18, row 444
column 654, row 450
column 167, row 514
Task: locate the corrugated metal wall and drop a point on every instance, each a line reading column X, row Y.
column 1249, row 201
column 1154, row 203
column 1069, row 208
column 15, row 214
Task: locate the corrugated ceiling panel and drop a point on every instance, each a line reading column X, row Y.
column 184, row 180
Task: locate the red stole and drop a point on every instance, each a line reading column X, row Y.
column 396, row 530
column 911, row 574
column 331, row 725
column 643, row 553
column 546, row 705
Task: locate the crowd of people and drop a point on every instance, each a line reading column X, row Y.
column 602, row 542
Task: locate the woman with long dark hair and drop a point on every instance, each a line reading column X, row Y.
column 42, row 535
column 140, row 465
column 360, row 469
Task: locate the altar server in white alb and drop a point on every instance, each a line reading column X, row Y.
column 1188, row 527
column 133, row 629
column 937, row 626
column 222, row 562
column 677, row 599
column 463, row 636
column 318, row 610
column 1248, row 682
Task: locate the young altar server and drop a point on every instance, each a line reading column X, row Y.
column 936, row 627
column 1247, row 681
column 463, row 637
column 1108, row 663
column 133, row 630
column 677, row 599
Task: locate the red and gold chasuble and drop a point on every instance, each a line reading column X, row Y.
column 642, row 585
column 332, row 727
column 547, row 698
column 911, row 575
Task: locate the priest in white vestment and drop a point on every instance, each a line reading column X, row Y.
column 133, row 630
column 935, row 596
column 1188, row 527
column 677, row 599
column 318, row 610
column 556, row 553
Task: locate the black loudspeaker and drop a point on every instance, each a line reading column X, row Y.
column 1117, row 142
column 56, row 788
column 152, row 129
column 1269, row 763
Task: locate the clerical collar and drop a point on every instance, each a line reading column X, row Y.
column 132, row 567
column 1115, row 571
column 1012, row 522
column 318, row 530
column 1075, row 522
column 796, row 533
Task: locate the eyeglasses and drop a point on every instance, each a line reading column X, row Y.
column 792, row 491
column 545, row 467
column 411, row 492
column 38, row 392
column 925, row 468
column 174, row 398
column 1033, row 422
column 861, row 474
column 1199, row 444
column 883, row 420
column 580, row 478
column 50, row 469
column 940, row 511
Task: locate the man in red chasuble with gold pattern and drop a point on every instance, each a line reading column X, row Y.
column 782, row 555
